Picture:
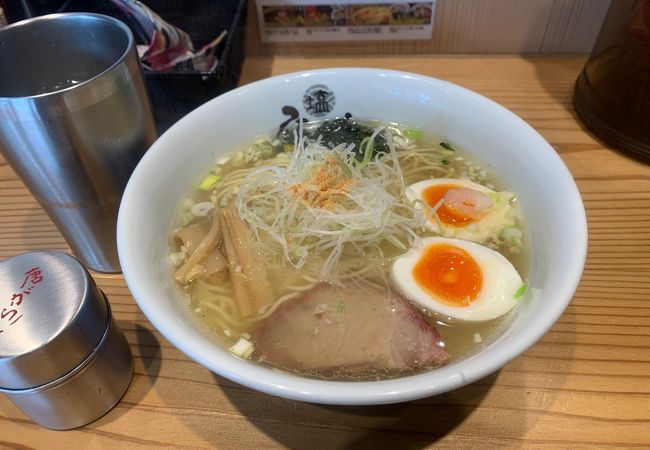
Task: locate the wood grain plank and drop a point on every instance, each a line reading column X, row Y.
column 573, row 26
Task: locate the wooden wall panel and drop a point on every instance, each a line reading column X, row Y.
column 573, row 26
column 473, row 27
column 493, row 26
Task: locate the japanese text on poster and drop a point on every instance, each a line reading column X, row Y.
column 360, row 20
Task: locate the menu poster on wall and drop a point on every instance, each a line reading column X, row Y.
column 359, row 20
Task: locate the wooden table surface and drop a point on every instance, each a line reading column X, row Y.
column 586, row 384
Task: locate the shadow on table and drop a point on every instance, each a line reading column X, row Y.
column 146, row 367
column 411, row 425
column 504, row 406
column 563, row 92
column 557, row 77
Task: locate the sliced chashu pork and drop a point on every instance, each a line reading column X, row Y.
column 356, row 329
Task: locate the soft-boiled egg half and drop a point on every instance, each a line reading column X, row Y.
column 458, row 279
column 464, row 209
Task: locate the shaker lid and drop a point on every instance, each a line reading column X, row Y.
column 52, row 316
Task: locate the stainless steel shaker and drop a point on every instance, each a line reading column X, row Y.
column 75, row 120
column 63, row 360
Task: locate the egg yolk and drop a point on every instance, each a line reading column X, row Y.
column 433, row 194
column 448, row 273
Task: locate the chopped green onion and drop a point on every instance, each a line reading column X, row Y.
column 447, row 145
column 521, row 291
column 512, row 235
column 176, row 258
column 242, row 348
column 209, row 182
column 445, row 162
column 413, row 133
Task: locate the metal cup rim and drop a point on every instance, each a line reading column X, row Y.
column 65, row 15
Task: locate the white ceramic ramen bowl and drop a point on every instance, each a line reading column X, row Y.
column 515, row 153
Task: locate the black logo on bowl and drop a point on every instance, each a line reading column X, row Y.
column 319, row 100
column 294, row 116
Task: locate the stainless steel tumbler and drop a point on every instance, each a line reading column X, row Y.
column 75, row 120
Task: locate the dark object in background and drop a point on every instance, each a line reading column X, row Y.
column 175, row 93
column 612, row 96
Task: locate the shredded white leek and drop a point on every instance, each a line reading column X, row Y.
column 371, row 211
